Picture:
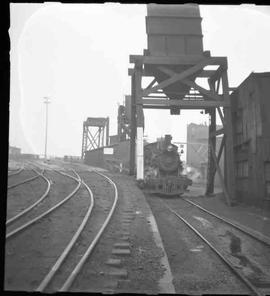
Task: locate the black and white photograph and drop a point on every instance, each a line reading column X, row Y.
column 138, row 149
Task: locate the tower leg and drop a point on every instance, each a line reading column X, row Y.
column 133, row 127
column 229, row 153
column 211, row 143
column 107, row 131
column 135, row 96
column 139, row 154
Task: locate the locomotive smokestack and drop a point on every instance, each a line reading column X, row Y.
column 167, row 140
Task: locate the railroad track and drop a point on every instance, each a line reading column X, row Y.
column 38, row 218
column 60, row 275
column 15, row 172
column 257, row 236
column 207, row 236
column 37, row 175
column 29, row 208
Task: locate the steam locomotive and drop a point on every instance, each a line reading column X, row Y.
column 163, row 169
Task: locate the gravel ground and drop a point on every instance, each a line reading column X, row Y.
column 140, row 271
column 196, row 269
column 103, row 195
column 30, row 255
column 21, row 197
column 254, row 261
column 23, row 175
column 60, row 187
column 145, row 265
column 253, row 217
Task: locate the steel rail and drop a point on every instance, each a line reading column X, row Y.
column 228, row 263
column 36, row 219
column 16, row 172
column 68, row 248
column 13, row 219
column 259, row 237
column 35, row 166
column 25, row 181
column 80, row 264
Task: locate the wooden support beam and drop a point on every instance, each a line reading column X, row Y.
column 183, row 97
column 221, row 116
column 200, row 104
column 144, row 72
column 220, row 176
column 107, row 131
column 230, row 169
column 151, row 83
column 221, row 148
column 212, row 143
column 207, row 93
column 140, row 116
column 217, row 132
column 200, row 73
column 219, row 71
column 218, row 85
column 135, row 97
column 175, row 93
column 157, row 97
column 205, row 73
column 133, row 128
column 177, row 77
column 130, row 72
column 169, row 107
column 150, row 73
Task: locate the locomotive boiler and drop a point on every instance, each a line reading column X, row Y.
column 163, row 169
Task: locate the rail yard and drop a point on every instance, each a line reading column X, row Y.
column 79, row 228
column 131, row 216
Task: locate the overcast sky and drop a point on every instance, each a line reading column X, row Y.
column 78, row 55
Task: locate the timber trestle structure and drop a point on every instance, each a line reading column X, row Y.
column 213, row 97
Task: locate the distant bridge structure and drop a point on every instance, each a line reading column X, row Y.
column 95, row 129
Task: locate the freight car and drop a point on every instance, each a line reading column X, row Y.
column 163, row 169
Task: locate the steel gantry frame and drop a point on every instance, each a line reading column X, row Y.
column 93, row 133
column 216, row 98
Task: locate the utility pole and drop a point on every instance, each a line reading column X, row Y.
column 46, row 101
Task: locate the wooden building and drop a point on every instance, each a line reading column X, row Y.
column 251, row 134
column 14, row 151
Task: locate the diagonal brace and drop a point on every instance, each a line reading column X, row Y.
column 177, row 77
column 220, row 175
column 190, row 83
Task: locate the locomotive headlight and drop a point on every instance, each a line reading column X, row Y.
column 170, row 148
